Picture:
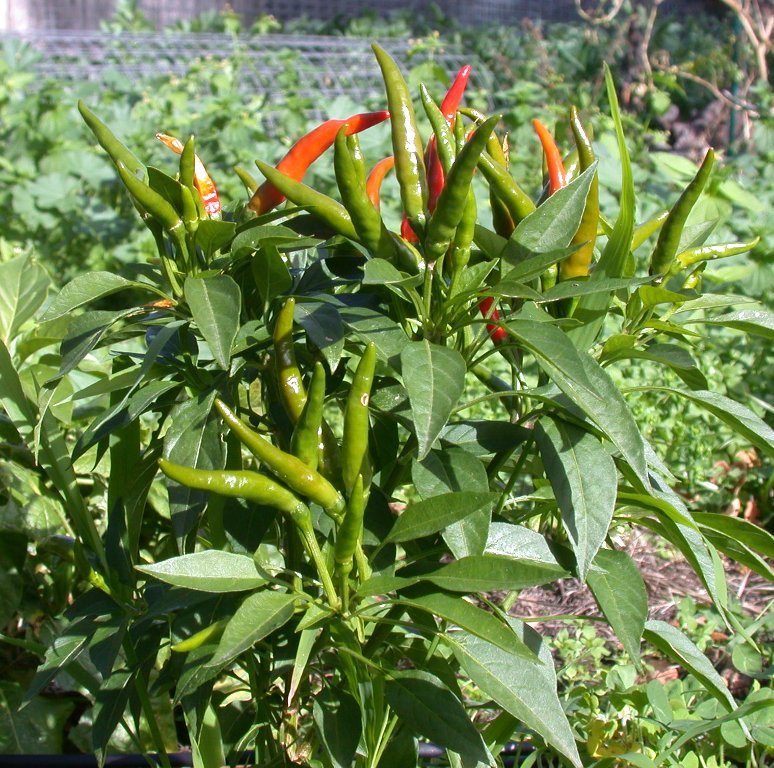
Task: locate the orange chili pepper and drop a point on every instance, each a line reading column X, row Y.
column 203, row 182
column 557, row 177
column 376, row 177
column 305, row 151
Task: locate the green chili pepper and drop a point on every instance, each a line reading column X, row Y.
column 354, row 443
column 241, row 484
column 116, row 150
column 406, row 143
column 251, row 184
column 261, row 490
column 300, row 478
column 366, row 219
column 578, row 263
column 711, row 252
column 516, row 200
column 693, row 281
column 188, row 163
column 150, row 200
column 326, row 209
column 306, row 441
column 288, row 373
column 644, row 231
column 668, row 241
column 348, row 538
column 454, row 196
column 442, row 132
column 197, row 640
column 459, row 256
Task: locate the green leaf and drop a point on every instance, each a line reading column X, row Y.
column 258, row 616
column 212, row 235
column 488, row 573
column 193, row 440
column 528, row 268
column 553, row 224
column 583, row 287
column 676, row 646
column 24, row 286
column 337, row 717
column 737, row 416
column 271, row 273
column 208, row 571
column 37, row 729
column 429, row 708
column 620, row 593
column 588, row 385
column 584, row 478
column 739, row 529
column 84, row 333
column 109, row 707
column 434, row 378
column 252, row 235
column 456, row 470
column 758, row 322
column 422, row 518
column 523, row 687
column 215, row 302
column 470, row 617
column 593, row 308
column 324, row 328
column 90, row 287
column 519, row 543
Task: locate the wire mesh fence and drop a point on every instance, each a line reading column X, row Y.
column 322, row 68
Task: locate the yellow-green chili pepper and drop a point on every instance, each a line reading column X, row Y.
column 326, row 209
column 668, row 241
column 300, row 478
column 578, row 263
column 291, row 385
column 306, row 441
column 198, row 639
column 406, row 142
column 348, row 538
column 711, row 252
column 117, row 152
column 354, row 444
column 518, row 203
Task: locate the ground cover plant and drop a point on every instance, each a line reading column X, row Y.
column 369, row 423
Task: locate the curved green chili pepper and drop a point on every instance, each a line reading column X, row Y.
column 348, row 538
column 453, row 199
column 250, row 182
column 117, row 152
column 198, row 639
column 668, row 241
column 300, row 478
column 693, row 281
column 366, row 220
column 306, row 441
column 442, row 132
column 354, row 443
column 578, row 263
column 187, row 163
column 518, row 203
column 711, row 252
column 459, row 255
column 291, row 385
column 645, row 230
column 325, row 208
column 150, row 200
column 240, row 484
column 406, row 143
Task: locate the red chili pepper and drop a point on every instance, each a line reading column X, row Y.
column 557, row 178
column 496, row 332
column 376, row 177
column 306, row 150
column 449, row 105
column 203, row 182
column 406, row 232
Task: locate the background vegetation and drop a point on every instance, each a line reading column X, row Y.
column 684, row 84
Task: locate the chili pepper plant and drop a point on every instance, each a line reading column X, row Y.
column 337, row 452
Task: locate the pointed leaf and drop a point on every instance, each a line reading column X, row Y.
column 429, row 708
column 584, row 478
column 676, row 646
column 523, row 687
column 620, row 593
column 337, row 716
column 208, row 571
column 434, row 514
column 215, row 302
column 434, row 378
column 758, row 322
column 258, row 616
column 271, row 273
column 489, row 573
